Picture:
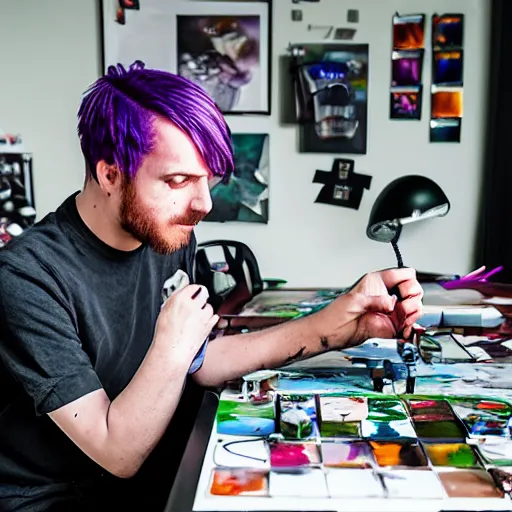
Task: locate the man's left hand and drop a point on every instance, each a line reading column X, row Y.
column 369, row 311
column 407, row 310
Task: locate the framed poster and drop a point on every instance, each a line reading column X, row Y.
column 224, row 46
column 331, row 89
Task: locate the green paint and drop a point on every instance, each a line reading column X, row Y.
column 231, row 410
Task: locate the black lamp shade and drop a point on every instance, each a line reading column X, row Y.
column 405, row 200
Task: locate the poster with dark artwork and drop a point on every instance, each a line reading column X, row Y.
column 331, row 87
column 244, row 196
column 342, row 186
column 223, row 46
column 17, row 209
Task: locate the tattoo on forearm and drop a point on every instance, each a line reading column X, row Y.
column 299, row 355
column 324, row 342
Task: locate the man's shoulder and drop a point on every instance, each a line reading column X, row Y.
column 36, row 247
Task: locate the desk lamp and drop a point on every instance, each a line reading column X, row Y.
column 403, row 201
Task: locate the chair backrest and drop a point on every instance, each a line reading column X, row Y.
column 239, row 263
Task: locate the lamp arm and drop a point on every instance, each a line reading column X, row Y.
column 394, row 243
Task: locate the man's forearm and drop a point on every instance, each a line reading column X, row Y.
column 233, row 356
column 139, row 416
column 119, row 435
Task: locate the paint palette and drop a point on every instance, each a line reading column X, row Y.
column 285, row 450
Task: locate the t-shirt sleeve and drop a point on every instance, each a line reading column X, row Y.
column 39, row 343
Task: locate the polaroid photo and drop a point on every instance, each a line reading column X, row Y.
column 405, row 103
column 406, row 68
column 409, row 32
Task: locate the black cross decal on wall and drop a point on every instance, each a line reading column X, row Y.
column 342, row 186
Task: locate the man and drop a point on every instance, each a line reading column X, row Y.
column 95, row 364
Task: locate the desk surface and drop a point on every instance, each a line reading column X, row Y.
column 323, row 473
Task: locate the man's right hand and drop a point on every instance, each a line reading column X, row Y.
column 119, row 434
column 185, row 321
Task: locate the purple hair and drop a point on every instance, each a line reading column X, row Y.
column 115, row 118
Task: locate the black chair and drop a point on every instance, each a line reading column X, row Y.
column 240, row 264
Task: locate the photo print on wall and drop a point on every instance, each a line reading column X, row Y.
column 223, row 46
column 342, row 186
column 447, row 77
column 244, row 195
column 407, row 66
column 331, row 92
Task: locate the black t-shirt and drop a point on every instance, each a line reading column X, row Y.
column 75, row 315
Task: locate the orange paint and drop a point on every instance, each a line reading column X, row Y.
column 386, row 454
column 233, row 482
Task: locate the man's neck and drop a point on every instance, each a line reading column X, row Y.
column 99, row 217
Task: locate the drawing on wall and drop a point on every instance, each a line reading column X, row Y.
column 244, row 195
column 447, row 77
column 407, row 66
column 342, row 186
column 223, row 46
column 331, row 90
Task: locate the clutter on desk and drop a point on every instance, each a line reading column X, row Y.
column 17, row 208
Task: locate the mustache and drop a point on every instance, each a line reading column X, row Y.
column 191, row 219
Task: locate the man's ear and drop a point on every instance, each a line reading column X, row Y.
column 109, row 177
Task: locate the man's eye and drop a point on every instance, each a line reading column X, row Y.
column 178, row 180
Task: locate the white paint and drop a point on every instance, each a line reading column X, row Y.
column 51, row 54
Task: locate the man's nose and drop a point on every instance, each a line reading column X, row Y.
column 202, row 201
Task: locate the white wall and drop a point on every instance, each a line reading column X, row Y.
column 51, row 54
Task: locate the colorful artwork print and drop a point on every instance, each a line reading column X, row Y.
column 243, row 196
column 409, row 32
column 406, row 104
